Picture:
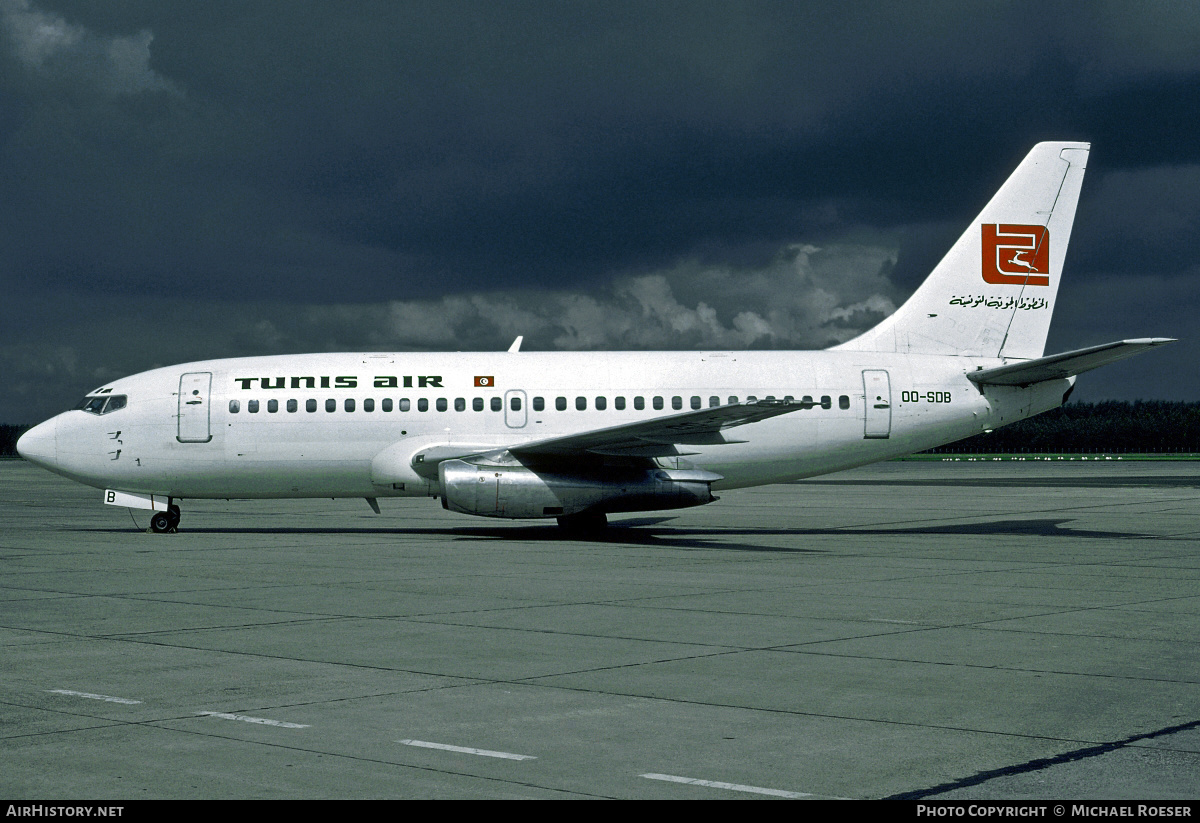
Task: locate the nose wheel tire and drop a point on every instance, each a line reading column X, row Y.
column 165, row 522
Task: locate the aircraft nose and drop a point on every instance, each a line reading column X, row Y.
column 39, row 444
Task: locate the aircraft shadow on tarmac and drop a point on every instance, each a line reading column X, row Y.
column 657, row 532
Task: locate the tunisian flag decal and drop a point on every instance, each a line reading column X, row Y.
column 485, row 382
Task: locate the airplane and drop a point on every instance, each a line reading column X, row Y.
column 577, row 436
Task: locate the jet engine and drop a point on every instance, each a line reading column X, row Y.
column 518, row 492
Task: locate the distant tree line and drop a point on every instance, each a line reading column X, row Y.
column 1115, row 427
column 8, row 439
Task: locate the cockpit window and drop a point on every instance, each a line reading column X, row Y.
column 102, row 405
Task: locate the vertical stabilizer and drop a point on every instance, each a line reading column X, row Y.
column 993, row 294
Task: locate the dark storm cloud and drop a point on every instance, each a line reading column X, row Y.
column 505, row 167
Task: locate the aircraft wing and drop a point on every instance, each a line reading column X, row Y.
column 660, row 436
column 1067, row 364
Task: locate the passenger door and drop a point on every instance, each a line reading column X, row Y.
column 194, row 423
column 877, row 396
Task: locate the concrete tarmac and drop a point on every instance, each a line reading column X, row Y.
column 918, row 630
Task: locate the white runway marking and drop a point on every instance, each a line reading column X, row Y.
column 734, row 787
column 105, row 697
column 260, row 720
column 424, row 744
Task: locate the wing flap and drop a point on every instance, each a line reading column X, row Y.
column 1067, row 364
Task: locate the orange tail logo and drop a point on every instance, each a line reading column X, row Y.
column 1016, row 255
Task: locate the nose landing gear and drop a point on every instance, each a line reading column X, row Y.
column 165, row 522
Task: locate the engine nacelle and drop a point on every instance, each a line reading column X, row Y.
column 518, row 492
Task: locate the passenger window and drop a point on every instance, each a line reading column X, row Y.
column 695, row 401
column 477, row 404
column 826, row 401
column 349, row 404
column 732, row 399
column 310, row 405
column 405, row 404
column 581, row 403
column 369, row 405
column 677, row 402
column 843, row 402
column 619, row 403
column 807, row 402
column 601, row 403
column 234, row 406
column 272, row 406
column 751, row 398
column 514, row 403
column 639, row 402
column 422, row 404
column 714, row 401
column 330, row 405
column 441, row 404
column 658, row 403
column 252, row 406
column 460, row 404
column 292, row 406
column 539, row 404
column 497, row 404
column 560, row 403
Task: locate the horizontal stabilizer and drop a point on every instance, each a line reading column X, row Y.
column 1067, row 364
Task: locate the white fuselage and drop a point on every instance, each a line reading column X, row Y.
column 317, row 425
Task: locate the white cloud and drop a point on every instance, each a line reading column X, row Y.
column 807, row 297
column 49, row 46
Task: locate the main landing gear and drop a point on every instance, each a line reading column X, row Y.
column 165, row 522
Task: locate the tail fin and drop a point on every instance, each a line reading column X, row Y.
column 993, row 293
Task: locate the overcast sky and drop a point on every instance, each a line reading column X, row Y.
column 181, row 181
